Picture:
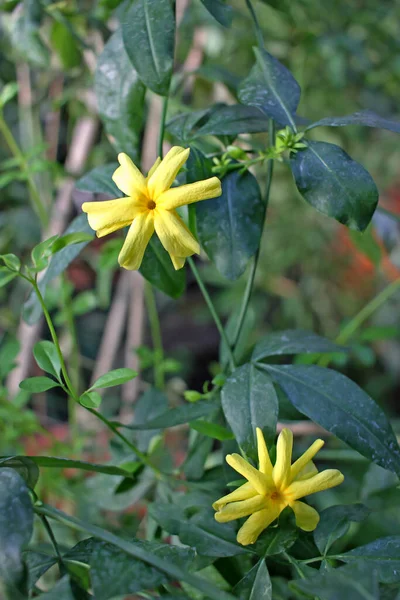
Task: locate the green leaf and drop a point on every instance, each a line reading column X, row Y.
column 293, row 341
column 355, row 582
column 42, row 250
column 58, row 263
column 249, row 400
column 255, row 585
column 340, row 406
column 210, row 538
column 157, row 268
column 27, row 41
column 229, row 227
column 272, row 88
column 151, row 404
column 38, row 384
column 70, row 239
column 38, row 563
column 275, row 540
column 177, row 416
column 232, row 120
column 47, row 358
column 335, row 522
column 363, row 117
column 11, row 261
column 120, row 97
column 90, row 399
column 16, row 527
column 8, row 92
column 367, row 243
column 64, row 43
column 333, row 183
column 112, row 378
column 24, row 466
column 63, row 590
column 212, row 430
column 99, row 181
column 114, row 573
column 148, row 31
column 381, row 555
column 53, row 462
column 183, row 126
column 220, row 11
column 6, row 276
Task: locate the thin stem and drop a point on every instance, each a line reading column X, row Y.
column 253, row 268
column 34, row 194
column 162, row 125
column 156, row 336
column 349, row 330
column 213, row 312
column 256, row 24
column 74, row 357
column 50, row 533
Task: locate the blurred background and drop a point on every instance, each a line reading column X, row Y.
column 313, row 273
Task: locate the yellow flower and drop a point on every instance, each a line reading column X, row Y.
column 149, row 206
column 270, row 489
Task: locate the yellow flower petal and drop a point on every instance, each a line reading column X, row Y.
column 174, row 235
column 153, row 168
column 128, row 177
column 164, row 176
column 256, row 524
column 192, row 192
column 305, row 458
column 308, row 471
column 110, row 215
column 258, row 480
column 244, row 492
column 177, row 261
column 237, row 510
column 307, row 517
column 138, row 237
column 265, row 464
column 318, row 483
column 281, row 472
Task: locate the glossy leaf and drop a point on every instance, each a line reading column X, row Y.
column 99, row 181
column 148, row 31
column 47, row 358
column 229, row 227
column 249, row 400
column 53, row 462
column 38, row 563
column 335, row 522
column 210, row 538
column 232, row 120
column 255, row 585
column 157, row 268
column 151, row 404
column 340, row 406
column 212, row 430
column 381, row 555
column 11, row 261
column 120, row 97
column 362, row 117
column 184, row 126
column 63, row 590
column 177, row 416
column 38, row 384
column 292, row 341
column 333, row 183
column 272, row 88
column 90, row 399
column 24, row 466
column 16, row 527
column 113, row 378
column 221, row 11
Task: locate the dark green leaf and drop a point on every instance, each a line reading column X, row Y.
column 220, row 11
column 335, row 522
column 381, row 556
column 16, row 527
column 27, row 41
column 115, row 377
column 340, row 406
column 255, row 585
column 177, row 416
column 229, row 227
column 65, row 44
column 232, row 120
column 120, row 96
column 151, row 404
column 169, row 517
column 148, row 31
column 363, row 117
column 25, row 467
column 6, row 276
column 65, row 463
column 158, row 269
column 38, row 563
column 199, row 451
column 272, row 88
column 210, row 538
column 38, row 384
column 249, row 400
column 90, row 399
column 293, row 341
column 61, row 591
column 217, row 432
column 275, row 540
column 183, row 126
column 114, row 573
column 47, row 358
column 99, row 181
column 335, row 184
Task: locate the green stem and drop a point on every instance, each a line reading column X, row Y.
column 36, row 201
column 212, row 311
column 50, row 533
column 137, row 552
column 256, row 24
column 156, row 336
column 253, row 268
column 74, row 358
column 162, row 125
column 349, row 330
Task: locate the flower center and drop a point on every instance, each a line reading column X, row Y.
column 151, row 204
column 276, row 496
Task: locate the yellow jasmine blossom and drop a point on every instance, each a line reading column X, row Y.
column 150, row 206
column 270, row 489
